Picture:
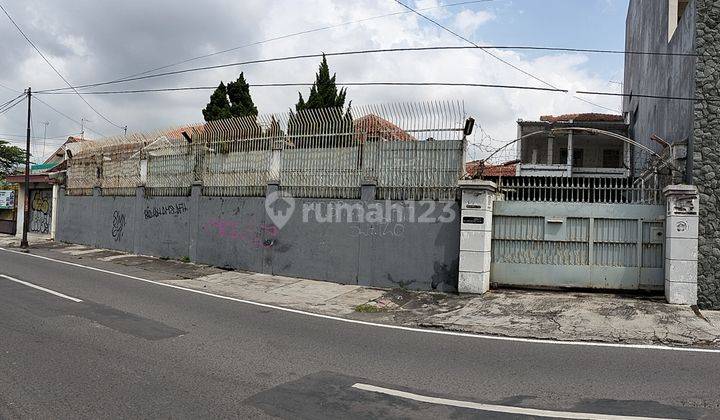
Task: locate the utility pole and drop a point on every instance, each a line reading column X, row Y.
column 26, row 202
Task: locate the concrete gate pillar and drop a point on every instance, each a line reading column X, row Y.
column 475, row 235
column 55, row 214
column 681, row 246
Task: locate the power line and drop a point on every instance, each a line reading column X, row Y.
column 13, row 104
column 355, row 84
column 294, row 34
column 330, row 54
column 11, row 100
column 640, row 95
column 261, row 85
column 66, row 116
column 8, row 135
column 445, row 28
column 55, row 69
column 9, row 88
column 486, row 51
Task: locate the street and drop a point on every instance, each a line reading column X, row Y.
column 98, row 345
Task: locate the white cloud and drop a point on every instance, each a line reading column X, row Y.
column 468, row 21
column 117, row 39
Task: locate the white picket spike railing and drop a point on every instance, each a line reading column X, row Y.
column 413, row 151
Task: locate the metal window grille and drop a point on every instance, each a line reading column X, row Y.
column 579, row 190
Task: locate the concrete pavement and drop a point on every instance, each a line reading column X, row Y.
column 566, row 316
column 138, row 349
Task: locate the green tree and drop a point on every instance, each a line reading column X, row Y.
column 10, row 157
column 324, row 92
column 219, row 107
column 233, row 100
column 241, row 103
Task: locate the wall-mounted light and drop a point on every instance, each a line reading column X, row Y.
column 469, row 125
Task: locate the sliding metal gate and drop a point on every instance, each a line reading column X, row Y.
column 588, row 244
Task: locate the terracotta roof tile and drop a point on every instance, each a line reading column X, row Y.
column 476, row 169
column 379, row 127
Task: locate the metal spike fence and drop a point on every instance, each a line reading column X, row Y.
column 411, row 151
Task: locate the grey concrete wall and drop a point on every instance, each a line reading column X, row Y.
column 115, row 222
column 647, row 30
column 706, row 156
column 229, row 232
column 163, row 227
column 76, row 222
column 400, row 249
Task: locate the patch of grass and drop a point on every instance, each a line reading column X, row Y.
column 368, row 308
column 185, row 259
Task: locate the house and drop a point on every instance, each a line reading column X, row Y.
column 45, row 179
column 684, row 111
column 571, row 145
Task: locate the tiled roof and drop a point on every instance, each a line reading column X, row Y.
column 588, row 117
column 476, row 169
column 190, row 129
column 380, row 127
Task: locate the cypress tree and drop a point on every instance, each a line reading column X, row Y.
column 241, row 103
column 219, row 107
column 324, row 92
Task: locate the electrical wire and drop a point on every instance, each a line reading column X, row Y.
column 68, row 117
column 12, row 105
column 261, row 85
column 495, row 56
column 9, row 88
column 11, row 100
column 55, row 69
column 294, row 34
column 355, row 84
column 37, row 137
column 332, row 54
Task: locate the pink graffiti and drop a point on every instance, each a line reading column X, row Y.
column 262, row 236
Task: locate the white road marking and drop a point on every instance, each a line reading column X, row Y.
column 495, row 408
column 35, row 286
column 388, row 326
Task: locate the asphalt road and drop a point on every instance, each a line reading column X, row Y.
column 135, row 349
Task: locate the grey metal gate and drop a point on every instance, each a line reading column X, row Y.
column 587, row 242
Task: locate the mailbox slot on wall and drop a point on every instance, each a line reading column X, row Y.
column 474, row 220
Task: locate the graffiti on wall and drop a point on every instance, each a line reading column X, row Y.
column 172, row 210
column 383, row 229
column 40, row 211
column 118, row 225
column 262, row 236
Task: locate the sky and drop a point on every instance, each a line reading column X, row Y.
column 99, row 40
